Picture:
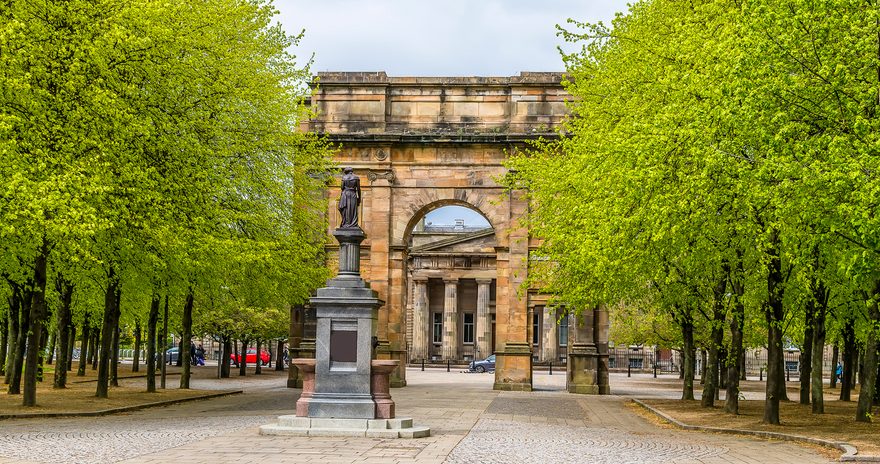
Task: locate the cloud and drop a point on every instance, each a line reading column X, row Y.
column 450, row 38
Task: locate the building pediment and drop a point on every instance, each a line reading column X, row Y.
column 478, row 242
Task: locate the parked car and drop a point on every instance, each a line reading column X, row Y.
column 486, row 365
column 171, row 355
column 251, row 357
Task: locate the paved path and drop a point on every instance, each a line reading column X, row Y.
column 470, row 423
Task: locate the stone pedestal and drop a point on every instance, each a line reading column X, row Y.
column 345, row 391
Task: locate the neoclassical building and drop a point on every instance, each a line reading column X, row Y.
column 456, row 292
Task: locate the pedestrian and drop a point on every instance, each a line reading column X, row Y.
column 200, row 355
column 839, row 372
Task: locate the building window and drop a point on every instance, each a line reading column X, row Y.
column 536, row 328
column 468, row 335
column 438, row 327
column 563, row 331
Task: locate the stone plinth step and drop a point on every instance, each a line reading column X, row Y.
column 295, row 426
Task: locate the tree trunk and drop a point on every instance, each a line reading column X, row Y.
column 114, row 364
column 703, row 363
column 225, row 358
column 42, row 351
column 242, row 363
column 186, row 339
column 136, row 356
column 849, row 354
column 835, row 359
column 53, row 339
column 818, row 348
column 107, row 333
column 866, row 394
column 731, row 403
column 4, row 334
column 806, row 357
column 96, row 343
column 84, row 347
column 716, row 342
column 774, row 316
column 71, row 344
column 279, row 356
column 689, row 353
column 164, row 342
column 710, row 386
column 37, row 326
column 258, row 360
column 13, row 316
column 20, row 343
column 152, row 320
column 65, row 290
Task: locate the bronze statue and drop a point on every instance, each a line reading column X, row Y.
column 350, row 199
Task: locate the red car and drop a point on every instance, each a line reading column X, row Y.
column 251, row 357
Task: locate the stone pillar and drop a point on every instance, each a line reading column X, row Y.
column 600, row 337
column 484, row 319
column 450, row 320
column 549, row 343
column 420, row 323
column 513, row 362
column 582, row 356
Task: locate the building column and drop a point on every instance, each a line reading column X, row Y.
column 450, row 320
column 420, row 322
column 549, row 342
column 484, row 320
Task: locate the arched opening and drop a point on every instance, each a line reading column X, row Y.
column 451, row 274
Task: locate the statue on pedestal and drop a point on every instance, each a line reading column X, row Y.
column 350, row 199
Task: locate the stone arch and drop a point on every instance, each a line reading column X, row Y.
column 425, row 209
column 413, row 210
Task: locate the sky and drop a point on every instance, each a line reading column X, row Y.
column 448, row 38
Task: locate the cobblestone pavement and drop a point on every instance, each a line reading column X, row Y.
column 470, row 423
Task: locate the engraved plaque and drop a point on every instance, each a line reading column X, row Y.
column 343, row 346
